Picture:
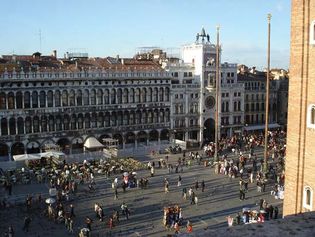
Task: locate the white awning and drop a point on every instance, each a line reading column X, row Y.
column 22, row 157
column 261, row 127
column 56, row 154
column 92, row 142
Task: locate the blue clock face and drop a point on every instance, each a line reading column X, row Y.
column 210, row 102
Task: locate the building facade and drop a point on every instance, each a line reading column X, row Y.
column 45, row 100
column 193, row 93
column 300, row 177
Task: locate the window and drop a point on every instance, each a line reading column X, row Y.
column 190, row 74
column 185, row 74
column 312, row 33
column 308, row 198
column 311, row 116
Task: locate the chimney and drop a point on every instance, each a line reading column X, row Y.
column 54, row 54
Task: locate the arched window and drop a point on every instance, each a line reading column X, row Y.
column 11, row 100
column 125, row 96
column 66, row 122
column 93, row 97
column 149, row 95
column 57, row 99
column 113, row 96
column 132, row 95
column 80, row 121
column 4, row 127
column 28, row 125
column 79, row 98
column 161, row 94
column 106, row 97
column 12, row 127
column 64, row 98
column 51, row 123
column 73, row 122
column 155, row 95
column 144, row 95
column 167, row 94
column 20, row 124
column 35, row 124
column 50, row 99
column 87, row 120
column 58, row 123
column 99, row 97
column 308, row 198
column 137, row 95
column 43, row 122
column 34, row 99
column 19, row 100
column 311, row 116
column 27, row 100
column 119, row 96
column 86, row 97
column 42, row 99
column 3, row 103
column 72, row 98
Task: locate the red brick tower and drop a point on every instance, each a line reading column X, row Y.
column 300, row 160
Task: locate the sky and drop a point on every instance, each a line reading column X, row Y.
column 108, row 28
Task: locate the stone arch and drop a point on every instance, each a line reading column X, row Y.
column 106, row 96
column 73, row 122
column 64, row 98
column 36, row 124
column 165, row 134
column 149, row 98
column 119, row 96
column 132, row 95
column 153, row 135
column 113, row 96
column 64, row 144
column 144, row 95
column 142, row 137
column 86, row 95
column 77, row 145
column 17, row 148
column 43, row 123
column 161, row 94
column 209, row 130
column 130, row 138
column 47, row 142
column 4, row 152
column 119, row 137
column 103, row 136
column 32, row 147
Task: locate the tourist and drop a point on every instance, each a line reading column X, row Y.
column 27, row 222
column 179, row 183
column 276, row 210
column 203, row 186
column 10, row 231
column 189, row 227
column 88, row 222
column 184, row 193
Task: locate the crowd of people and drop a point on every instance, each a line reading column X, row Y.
column 238, row 159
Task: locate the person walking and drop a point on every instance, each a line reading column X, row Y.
column 116, row 193
column 185, row 193
column 276, row 210
column 27, row 222
column 203, row 186
column 88, row 222
column 197, row 185
column 71, row 225
column 179, row 183
column 193, row 195
column 10, row 231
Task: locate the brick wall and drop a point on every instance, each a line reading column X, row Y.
column 300, row 160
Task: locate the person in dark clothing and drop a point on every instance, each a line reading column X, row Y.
column 276, row 210
column 261, row 202
column 193, row 198
column 203, row 186
column 72, row 215
column 197, row 185
column 238, row 218
column 88, row 222
column 271, row 211
column 27, row 222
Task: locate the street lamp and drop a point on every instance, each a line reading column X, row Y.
column 265, row 168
